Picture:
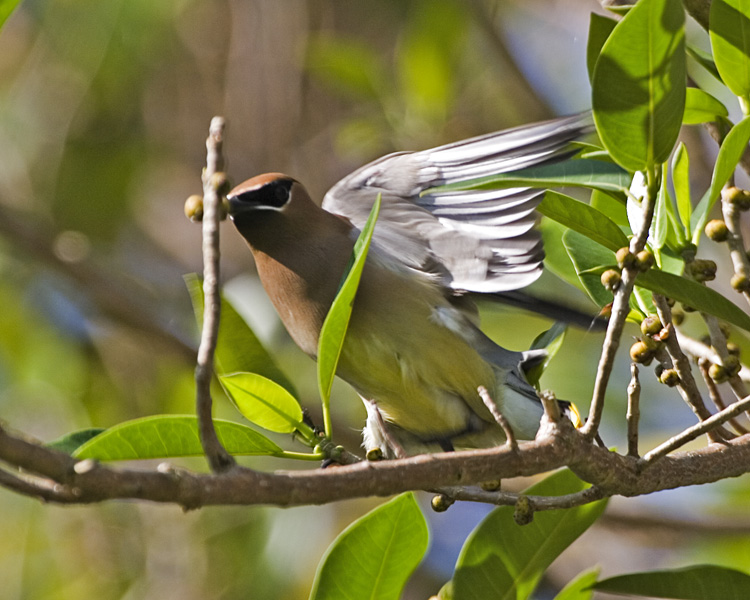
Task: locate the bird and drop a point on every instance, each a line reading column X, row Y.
column 414, row 350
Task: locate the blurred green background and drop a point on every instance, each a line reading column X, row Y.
column 104, row 109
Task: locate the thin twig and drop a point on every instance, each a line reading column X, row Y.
column 688, row 387
column 218, row 458
column 620, row 311
column 510, row 437
column 715, row 395
column 698, row 349
column 536, row 503
column 735, row 242
column 696, row 431
column 633, row 414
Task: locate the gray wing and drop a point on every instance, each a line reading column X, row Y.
column 478, row 240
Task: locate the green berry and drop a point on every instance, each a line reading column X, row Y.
column 611, row 279
column 651, row 325
column 625, row 258
column 194, row 208
column 717, row 230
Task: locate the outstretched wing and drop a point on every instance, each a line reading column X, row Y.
column 477, row 240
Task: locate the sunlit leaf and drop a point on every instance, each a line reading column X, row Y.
column 702, row 107
column 165, row 436
column 238, row 348
column 582, row 218
column 593, row 174
column 610, row 206
column 551, row 341
column 580, row 588
column 72, row 441
column 374, row 556
column 681, row 182
column 590, row 259
column 337, row 321
column 639, row 84
column 731, row 150
column 660, row 223
column 504, row 560
column 705, row 60
column 729, row 27
column 694, row 294
column 699, row 582
column 556, row 259
column 263, row 402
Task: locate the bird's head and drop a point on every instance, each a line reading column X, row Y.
column 267, row 192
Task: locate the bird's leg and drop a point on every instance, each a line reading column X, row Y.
column 510, row 437
column 382, row 428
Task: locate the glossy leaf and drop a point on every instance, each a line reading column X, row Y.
column 263, row 402
column 600, row 27
column 593, row 174
column 702, row 107
column 238, row 348
column 581, row 587
column 337, row 320
column 556, row 259
column 165, row 436
column 583, row 218
column 731, row 150
column 681, row 182
column 660, row 223
column 70, row 442
column 729, row 27
column 551, row 341
column 694, row 294
column 503, row 560
column 374, row 556
column 610, row 206
column 699, row 582
column 639, row 84
column 590, row 259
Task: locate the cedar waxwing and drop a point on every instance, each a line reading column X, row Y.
column 413, row 350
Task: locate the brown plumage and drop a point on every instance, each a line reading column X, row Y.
column 413, row 349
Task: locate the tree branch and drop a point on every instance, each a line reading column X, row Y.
column 218, row 458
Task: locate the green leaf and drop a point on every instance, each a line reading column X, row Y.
column 705, row 60
column 660, row 224
column 550, row 340
column 681, row 182
column 580, row 587
column 600, row 27
column 583, row 218
column 337, row 320
column 263, row 402
column 6, row 8
column 639, row 84
column 698, row 582
column 592, row 174
column 611, row 207
column 694, row 294
column 502, row 560
column 166, row 436
column 731, row 150
column 590, row 259
column 729, row 27
column 238, row 348
column 556, row 258
column 72, row 441
column 702, row 107
column 374, row 556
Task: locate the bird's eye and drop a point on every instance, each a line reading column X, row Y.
column 282, row 194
